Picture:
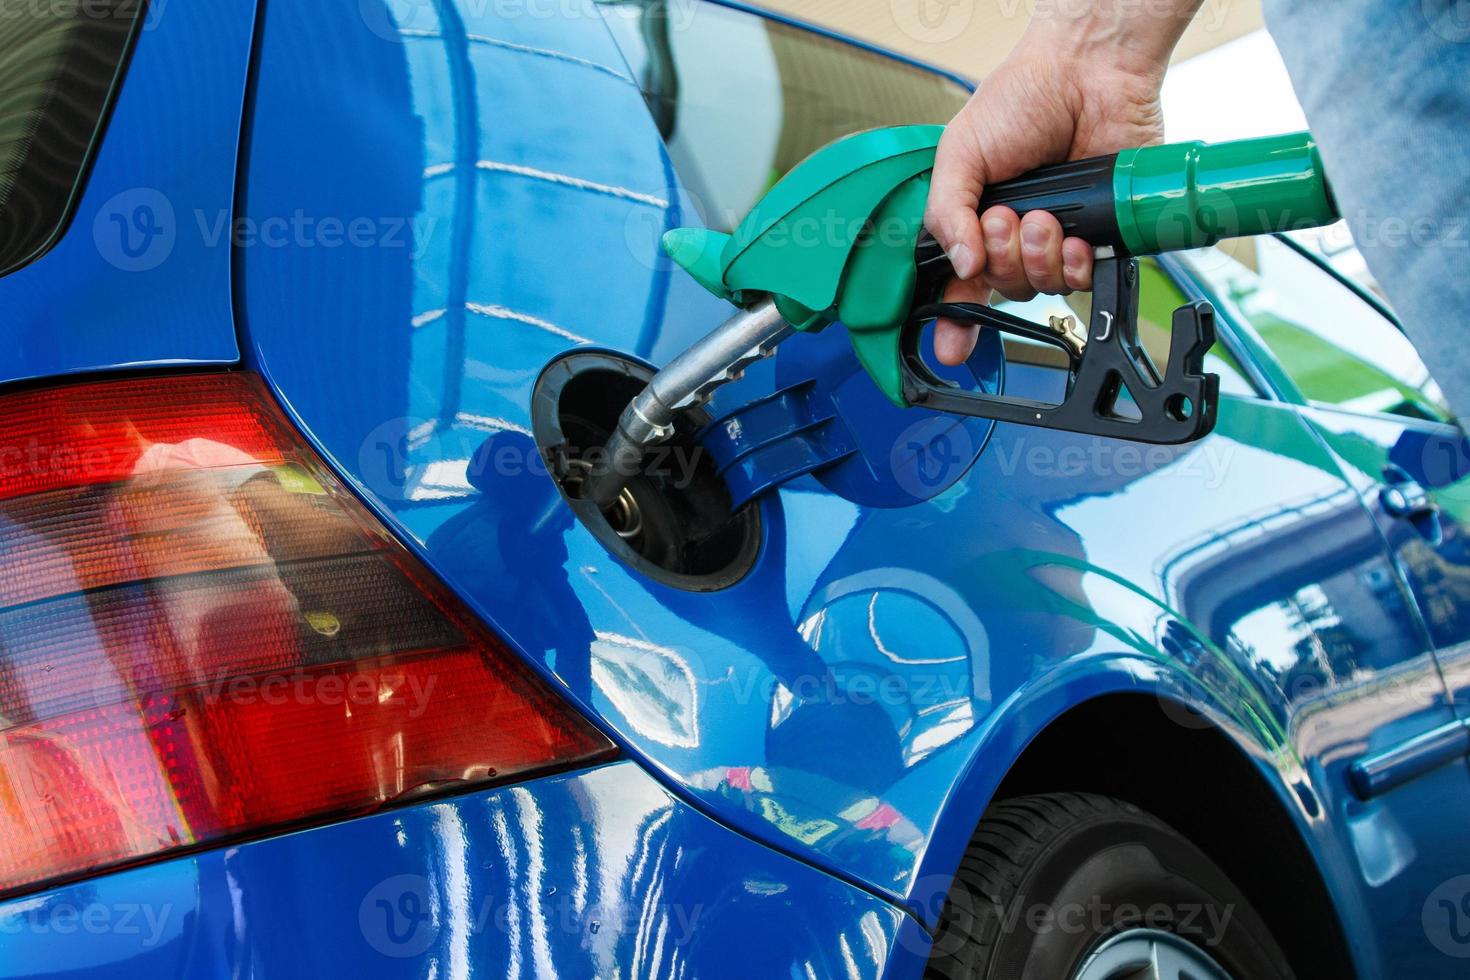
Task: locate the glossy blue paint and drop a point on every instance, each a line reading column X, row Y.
column 141, row 276
column 1404, row 752
column 856, row 699
column 596, row 874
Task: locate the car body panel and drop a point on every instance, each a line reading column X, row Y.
column 1415, row 927
column 440, row 204
column 141, row 276
column 1433, row 554
column 1378, row 452
column 1377, row 449
column 599, row 873
column 857, row 696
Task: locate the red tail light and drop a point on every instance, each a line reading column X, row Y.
column 204, row 636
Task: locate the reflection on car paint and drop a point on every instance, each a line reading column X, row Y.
column 1240, row 575
column 597, row 874
column 151, row 220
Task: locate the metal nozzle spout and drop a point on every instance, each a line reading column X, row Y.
column 687, row 382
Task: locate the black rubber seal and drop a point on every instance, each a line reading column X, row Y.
column 693, row 539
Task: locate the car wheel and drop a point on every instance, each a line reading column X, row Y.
column 1073, row 886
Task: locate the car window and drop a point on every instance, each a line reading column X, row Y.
column 58, row 63
column 1333, row 246
column 1336, row 347
column 1158, row 298
column 741, row 99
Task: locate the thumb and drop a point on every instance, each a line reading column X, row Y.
column 954, row 196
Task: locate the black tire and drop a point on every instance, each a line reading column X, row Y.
column 1049, row 878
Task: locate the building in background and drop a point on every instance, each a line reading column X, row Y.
column 968, row 37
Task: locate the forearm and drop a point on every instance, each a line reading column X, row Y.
column 1137, row 36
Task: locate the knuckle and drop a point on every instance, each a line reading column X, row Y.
column 1010, row 280
column 1044, row 274
column 1002, row 267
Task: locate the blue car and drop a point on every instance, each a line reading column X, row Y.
column 314, row 663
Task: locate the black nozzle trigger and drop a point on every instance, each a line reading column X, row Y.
column 1176, row 406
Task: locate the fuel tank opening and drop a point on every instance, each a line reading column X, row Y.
column 674, row 521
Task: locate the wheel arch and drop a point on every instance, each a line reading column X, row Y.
column 1204, row 775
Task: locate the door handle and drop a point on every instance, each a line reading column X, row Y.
column 1405, row 498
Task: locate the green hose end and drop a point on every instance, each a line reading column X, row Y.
column 1191, row 195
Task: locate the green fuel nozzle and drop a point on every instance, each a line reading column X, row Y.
column 840, row 239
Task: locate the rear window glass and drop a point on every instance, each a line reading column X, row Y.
column 58, row 64
column 741, row 99
column 1338, row 348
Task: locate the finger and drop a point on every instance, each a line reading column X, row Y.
column 954, row 342
column 1077, row 263
column 1003, row 268
column 1041, row 252
column 954, row 195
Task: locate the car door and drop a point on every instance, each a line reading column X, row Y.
column 1311, row 586
column 1334, row 350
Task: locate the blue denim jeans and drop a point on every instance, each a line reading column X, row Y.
column 1386, row 89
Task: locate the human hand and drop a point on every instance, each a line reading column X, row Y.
column 1044, row 104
